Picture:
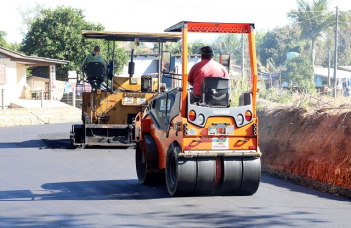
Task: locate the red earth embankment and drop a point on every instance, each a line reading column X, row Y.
column 311, row 145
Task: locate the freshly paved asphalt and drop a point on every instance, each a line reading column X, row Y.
column 45, row 184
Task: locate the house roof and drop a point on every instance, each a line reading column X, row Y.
column 345, row 68
column 30, row 60
column 260, row 75
column 323, row 72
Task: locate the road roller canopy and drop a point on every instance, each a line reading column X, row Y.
column 132, row 36
column 186, row 27
column 212, row 27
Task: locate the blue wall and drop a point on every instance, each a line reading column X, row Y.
column 318, row 81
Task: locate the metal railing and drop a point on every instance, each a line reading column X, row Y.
column 73, row 99
column 2, row 96
column 38, row 98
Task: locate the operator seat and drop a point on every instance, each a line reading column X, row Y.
column 215, row 92
column 96, row 74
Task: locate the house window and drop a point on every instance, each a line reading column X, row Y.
column 2, row 74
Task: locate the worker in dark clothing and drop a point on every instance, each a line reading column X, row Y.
column 95, row 80
column 206, row 68
column 94, row 57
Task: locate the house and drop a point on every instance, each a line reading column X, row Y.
column 321, row 77
column 344, row 68
column 269, row 80
column 13, row 76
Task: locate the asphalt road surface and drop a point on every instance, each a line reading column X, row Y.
column 45, row 184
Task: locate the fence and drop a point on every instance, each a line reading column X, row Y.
column 75, row 95
column 37, row 94
column 73, row 99
column 2, row 99
column 39, row 98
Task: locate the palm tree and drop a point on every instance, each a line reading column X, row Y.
column 345, row 20
column 314, row 19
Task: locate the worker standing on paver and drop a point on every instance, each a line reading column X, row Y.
column 206, row 68
column 94, row 57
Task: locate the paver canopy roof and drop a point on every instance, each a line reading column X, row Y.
column 131, row 36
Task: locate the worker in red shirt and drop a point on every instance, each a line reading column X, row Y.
column 206, row 68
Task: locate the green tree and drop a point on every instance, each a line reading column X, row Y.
column 16, row 47
column 29, row 14
column 275, row 44
column 3, row 42
column 11, row 46
column 314, row 19
column 57, row 34
column 195, row 46
column 328, row 42
column 299, row 73
column 228, row 44
column 174, row 48
column 259, row 38
column 142, row 49
column 344, row 44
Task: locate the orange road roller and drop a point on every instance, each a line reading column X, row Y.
column 205, row 147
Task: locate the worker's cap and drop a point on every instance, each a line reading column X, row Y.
column 207, row 50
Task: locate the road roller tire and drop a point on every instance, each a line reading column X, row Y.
column 145, row 177
column 180, row 172
column 232, row 175
column 251, row 175
column 206, row 176
column 72, row 146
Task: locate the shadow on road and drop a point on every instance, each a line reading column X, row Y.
column 43, row 220
column 89, row 190
column 46, row 141
column 171, row 218
column 225, row 218
column 62, row 144
column 39, row 143
column 181, row 212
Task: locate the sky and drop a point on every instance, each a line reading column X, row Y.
column 157, row 15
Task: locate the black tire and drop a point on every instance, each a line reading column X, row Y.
column 206, row 176
column 144, row 176
column 232, row 175
column 72, row 146
column 251, row 175
column 180, row 172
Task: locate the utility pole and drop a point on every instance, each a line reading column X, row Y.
column 336, row 49
column 328, row 67
column 242, row 59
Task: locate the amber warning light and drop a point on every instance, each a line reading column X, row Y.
column 192, row 115
column 248, row 115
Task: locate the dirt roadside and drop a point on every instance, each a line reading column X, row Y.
column 313, row 146
column 34, row 116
